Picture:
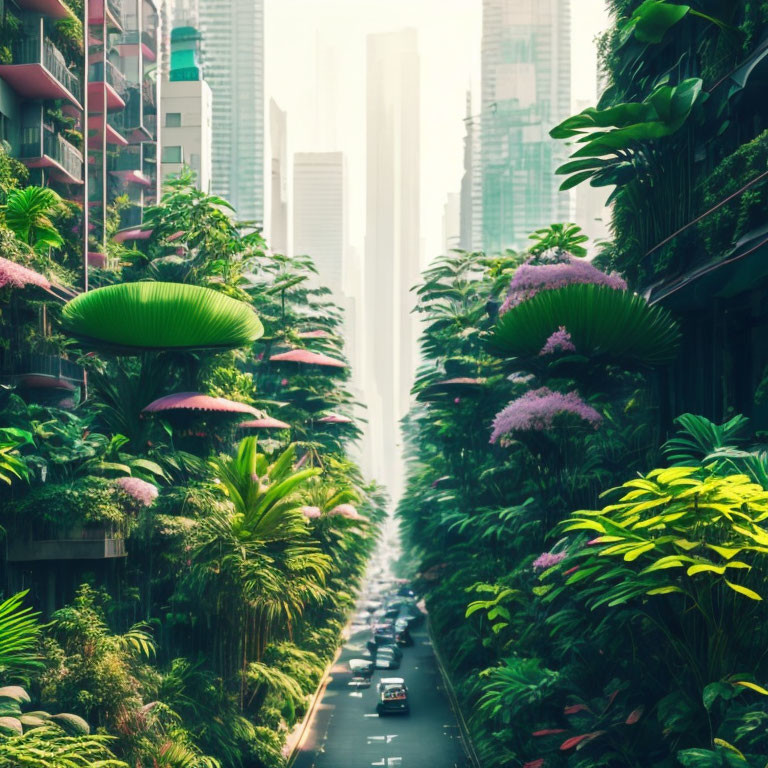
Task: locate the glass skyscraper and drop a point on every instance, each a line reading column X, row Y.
column 233, row 52
column 526, row 90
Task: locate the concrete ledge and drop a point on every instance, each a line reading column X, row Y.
column 466, row 739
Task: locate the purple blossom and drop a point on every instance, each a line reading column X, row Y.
column 530, row 278
column 548, row 559
column 140, row 490
column 559, row 341
column 311, row 513
column 536, row 411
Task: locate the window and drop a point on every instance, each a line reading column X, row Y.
column 172, row 155
column 173, row 119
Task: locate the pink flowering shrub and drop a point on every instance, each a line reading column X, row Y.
column 548, row 559
column 530, row 278
column 536, row 411
column 17, row 276
column 139, row 490
column 311, row 513
column 559, row 341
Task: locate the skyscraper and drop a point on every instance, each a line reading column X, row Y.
column 319, row 213
column 392, row 239
column 233, row 52
column 278, row 143
column 526, row 90
column 471, row 206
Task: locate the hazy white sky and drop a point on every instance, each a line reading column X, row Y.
column 449, row 40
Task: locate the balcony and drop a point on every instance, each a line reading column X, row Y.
column 111, row 9
column 39, row 71
column 106, row 87
column 97, row 542
column 54, row 9
column 42, row 148
column 96, row 131
column 36, row 371
column 135, row 42
column 128, row 166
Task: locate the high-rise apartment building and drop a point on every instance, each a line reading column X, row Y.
column 392, row 240
column 187, row 111
column 277, row 234
column 320, row 215
column 233, row 51
column 526, row 90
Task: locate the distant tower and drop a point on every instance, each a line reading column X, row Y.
column 452, row 222
column 526, row 90
column 471, row 205
column 392, row 239
column 319, row 214
column 233, row 51
column 278, row 142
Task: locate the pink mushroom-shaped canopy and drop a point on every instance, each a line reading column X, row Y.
column 307, row 358
column 347, row 511
column 311, row 513
column 196, row 401
column 17, row 276
column 268, row 422
column 319, row 333
column 335, row 418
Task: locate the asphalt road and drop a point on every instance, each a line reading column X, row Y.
column 346, row 732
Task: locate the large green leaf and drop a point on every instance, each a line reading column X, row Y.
column 137, row 316
column 602, row 321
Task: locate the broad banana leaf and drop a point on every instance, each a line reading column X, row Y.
column 141, row 316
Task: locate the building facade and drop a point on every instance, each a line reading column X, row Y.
column 84, row 120
column 187, row 111
column 526, row 90
column 392, row 240
column 233, row 51
column 320, row 214
column 277, row 234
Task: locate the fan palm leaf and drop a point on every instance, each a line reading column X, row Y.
column 600, row 320
column 146, row 316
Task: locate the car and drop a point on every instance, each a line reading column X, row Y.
column 385, row 681
column 393, row 699
column 403, row 633
column 387, row 662
column 389, row 650
column 406, row 591
column 362, row 667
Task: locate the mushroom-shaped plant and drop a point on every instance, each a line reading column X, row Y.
column 131, row 317
column 266, row 422
column 306, row 357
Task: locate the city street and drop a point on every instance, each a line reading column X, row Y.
column 346, row 732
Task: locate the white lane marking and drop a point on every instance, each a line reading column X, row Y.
column 356, row 694
column 369, row 715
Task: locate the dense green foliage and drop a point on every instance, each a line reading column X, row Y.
column 200, row 648
column 581, row 631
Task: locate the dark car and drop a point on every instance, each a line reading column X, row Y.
column 393, row 699
column 403, row 633
column 406, row 591
column 389, row 649
column 384, row 634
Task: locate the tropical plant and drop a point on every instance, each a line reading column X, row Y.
column 601, row 322
column 139, row 316
column 29, row 212
column 568, row 238
column 12, row 465
column 612, row 139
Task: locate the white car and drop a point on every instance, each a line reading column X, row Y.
column 389, row 681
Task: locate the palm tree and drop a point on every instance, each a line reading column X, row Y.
column 254, row 559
